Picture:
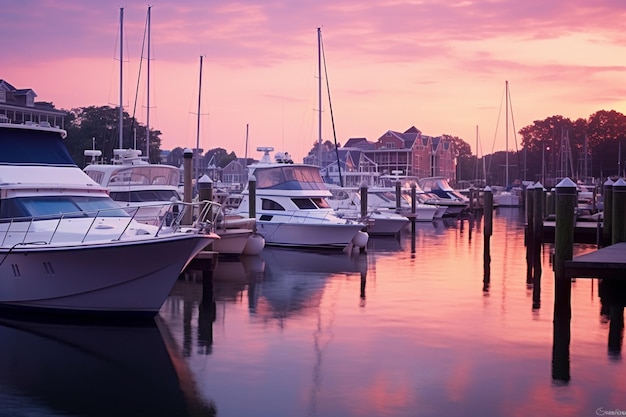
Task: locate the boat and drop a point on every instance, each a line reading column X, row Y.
column 292, row 208
column 381, row 221
column 132, row 182
column 455, row 202
column 67, row 247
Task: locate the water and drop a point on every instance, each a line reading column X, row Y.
column 404, row 330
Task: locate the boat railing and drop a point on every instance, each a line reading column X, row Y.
column 170, row 217
column 304, row 216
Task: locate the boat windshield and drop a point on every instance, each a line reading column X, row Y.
column 289, row 177
column 144, row 195
column 55, row 206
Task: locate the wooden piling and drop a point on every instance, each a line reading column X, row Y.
column 528, row 232
column 205, row 188
column 566, row 201
column 398, row 195
column 364, row 201
column 413, row 208
column 187, row 185
column 538, row 216
column 487, row 232
column 252, row 197
column 619, row 211
column 607, row 221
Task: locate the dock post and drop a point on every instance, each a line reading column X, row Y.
column 528, row 232
column 187, row 186
column 398, row 195
column 607, row 221
column 538, row 215
column 566, row 199
column 205, row 191
column 487, row 232
column 363, row 193
column 619, row 211
column 413, row 208
column 252, row 197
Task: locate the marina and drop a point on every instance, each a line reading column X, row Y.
column 410, row 327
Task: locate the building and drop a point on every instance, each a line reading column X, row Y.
column 19, row 106
column 411, row 153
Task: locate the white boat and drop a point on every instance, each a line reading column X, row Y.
column 66, row 246
column 381, row 221
column 132, row 182
column 455, row 202
column 291, row 207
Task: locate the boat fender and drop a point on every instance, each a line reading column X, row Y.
column 360, row 239
column 141, row 232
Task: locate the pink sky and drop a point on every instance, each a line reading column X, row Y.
column 437, row 65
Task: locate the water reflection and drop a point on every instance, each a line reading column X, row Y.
column 93, row 370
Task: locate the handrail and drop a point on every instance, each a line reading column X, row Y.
column 171, row 211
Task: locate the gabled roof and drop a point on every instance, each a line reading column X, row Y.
column 361, row 143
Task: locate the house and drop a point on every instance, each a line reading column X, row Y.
column 19, row 106
column 410, row 152
column 236, row 172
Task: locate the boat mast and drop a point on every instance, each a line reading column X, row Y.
column 148, row 94
column 198, row 123
column 506, row 181
column 319, row 95
column 121, row 110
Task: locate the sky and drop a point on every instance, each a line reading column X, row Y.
column 438, row 65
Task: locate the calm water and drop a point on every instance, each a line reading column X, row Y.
column 403, row 330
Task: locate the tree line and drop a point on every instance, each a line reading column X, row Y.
column 550, row 149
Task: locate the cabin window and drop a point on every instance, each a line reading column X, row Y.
column 267, row 204
column 304, row 203
column 321, row 202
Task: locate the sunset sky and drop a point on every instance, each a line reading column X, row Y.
column 438, row 65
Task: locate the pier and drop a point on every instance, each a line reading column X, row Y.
column 604, row 263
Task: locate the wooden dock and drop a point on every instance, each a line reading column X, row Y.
column 206, row 260
column 607, row 262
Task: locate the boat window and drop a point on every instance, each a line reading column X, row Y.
column 289, row 177
column 144, row 195
column 79, row 206
column 321, row 202
column 304, row 203
column 267, row 204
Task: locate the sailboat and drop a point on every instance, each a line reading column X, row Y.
column 508, row 197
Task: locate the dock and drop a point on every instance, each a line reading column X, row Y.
column 607, row 262
column 206, row 260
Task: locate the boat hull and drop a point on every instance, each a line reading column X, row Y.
column 103, row 278
column 312, row 235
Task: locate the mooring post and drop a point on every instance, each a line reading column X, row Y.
column 413, row 208
column 252, row 197
column 398, row 195
column 607, row 215
column 538, row 215
column 205, row 191
column 487, row 232
column 363, row 193
column 528, row 232
column 619, row 211
column 187, row 185
column 566, row 199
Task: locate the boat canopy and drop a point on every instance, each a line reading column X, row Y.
column 289, row 177
column 39, row 147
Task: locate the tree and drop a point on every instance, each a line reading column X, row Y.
column 98, row 126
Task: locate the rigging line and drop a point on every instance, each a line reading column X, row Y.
column 330, row 108
column 495, row 135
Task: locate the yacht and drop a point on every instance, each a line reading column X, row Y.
column 455, row 202
column 67, row 247
column 132, row 182
column 292, row 208
column 381, row 220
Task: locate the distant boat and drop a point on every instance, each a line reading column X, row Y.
column 291, row 206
